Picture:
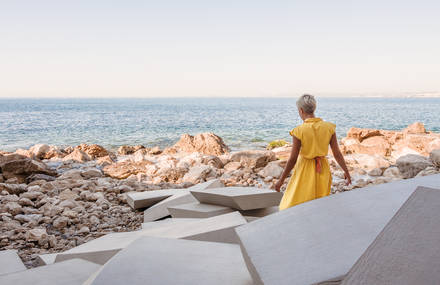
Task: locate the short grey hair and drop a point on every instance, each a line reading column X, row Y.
column 307, row 103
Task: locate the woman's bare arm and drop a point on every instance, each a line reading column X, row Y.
column 296, row 146
column 339, row 157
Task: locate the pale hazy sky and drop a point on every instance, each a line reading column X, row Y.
column 107, row 48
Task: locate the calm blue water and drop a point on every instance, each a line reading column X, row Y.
column 241, row 122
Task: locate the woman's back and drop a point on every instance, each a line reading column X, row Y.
column 315, row 135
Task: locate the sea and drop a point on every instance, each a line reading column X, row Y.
column 243, row 123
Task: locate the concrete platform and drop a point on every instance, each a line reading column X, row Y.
column 160, row 210
column 167, row 222
column 100, row 250
column 322, row 239
column 407, row 250
column 216, row 229
column 46, row 259
column 240, row 198
column 10, row 262
column 139, row 200
column 71, row 272
column 261, row 212
column 198, row 210
column 151, row 260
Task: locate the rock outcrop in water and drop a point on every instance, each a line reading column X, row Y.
column 53, row 199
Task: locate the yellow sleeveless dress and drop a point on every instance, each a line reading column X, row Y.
column 311, row 176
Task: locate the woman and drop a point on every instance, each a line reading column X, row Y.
column 311, row 176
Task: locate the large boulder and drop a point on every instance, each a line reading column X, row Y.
column 22, row 168
column 78, row 156
column 199, row 173
column 93, row 150
column 206, row 143
column 129, row 149
column 39, row 150
column 368, row 162
column 415, row 128
column 362, row 134
column 122, row 170
column 253, row 158
column 371, row 145
column 410, row 165
column 434, row 156
column 272, row 169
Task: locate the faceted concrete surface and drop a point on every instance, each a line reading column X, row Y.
column 198, row 210
column 138, row 200
column 407, row 251
column 166, row 223
column 160, row 209
column 151, row 260
column 261, row 212
column 100, row 250
column 216, row 229
column 10, row 262
column 46, row 259
column 71, row 272
column 322, row 239
column 240, row 198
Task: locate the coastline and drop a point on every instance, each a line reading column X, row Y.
column 56, row 198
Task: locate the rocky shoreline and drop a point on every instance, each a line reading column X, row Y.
column 53, row 199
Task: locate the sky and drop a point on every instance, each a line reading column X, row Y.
column 165, row 48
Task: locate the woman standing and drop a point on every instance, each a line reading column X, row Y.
column 311, row 176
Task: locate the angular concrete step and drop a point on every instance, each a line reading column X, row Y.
column 160, row 210
column 240, row 198
column 407, row 250
column 100, row 250
column 260, row 212
column 71, row 272
column 198, row 210
column 151, row 260
column 166, row 223
column 10, row 262
column 46, row 259
column 139, row 200
column 321, row 239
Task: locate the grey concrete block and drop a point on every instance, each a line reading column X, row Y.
column 71, row 272
column 261, row 212
column 10, row 262
column 151, row 260
column 166, row 223
column 323, row 238
column 198, row 210
column 46, row 259
column 160, row 210
column 100, row 250
column 139, row 200
column 407, row 250
column 217, row 229
column 240, row 198
column 214, row 183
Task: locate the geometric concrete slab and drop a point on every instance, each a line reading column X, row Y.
column 160, row 209
column 240, row 198
column 71, row 272
column 214, row 183
column 46, row 259
column 216, row 229
column 166, row 223
column 260, row 212
column 198, row 210
column 151, row 260
column 407, row 250
column 100, row 250
column 10, row 262
column 138, row 200
column 322, row 239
